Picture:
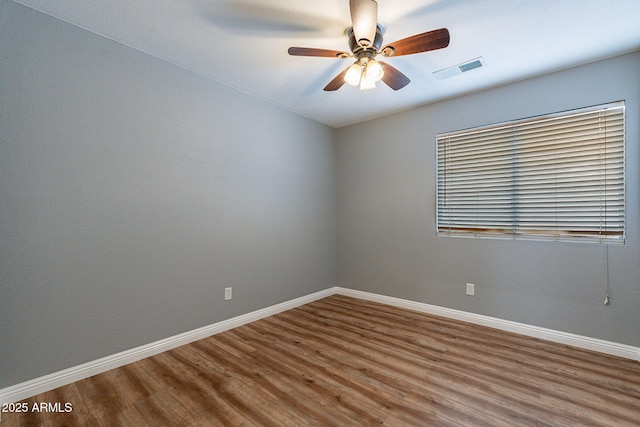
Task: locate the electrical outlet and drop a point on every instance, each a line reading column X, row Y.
column 471, row 289
column 228, row 293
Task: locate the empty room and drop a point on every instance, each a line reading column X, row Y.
column 340, row 212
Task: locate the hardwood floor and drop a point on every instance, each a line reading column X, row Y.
column 342, row 361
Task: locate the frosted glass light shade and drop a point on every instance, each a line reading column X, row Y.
column 353, row 75
column 367, row 83
column 374, row 70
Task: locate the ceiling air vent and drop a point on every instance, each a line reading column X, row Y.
column 460, row 68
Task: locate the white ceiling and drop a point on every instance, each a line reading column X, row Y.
column 243, row 43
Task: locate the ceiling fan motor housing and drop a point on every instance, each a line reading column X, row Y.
column 372, row 48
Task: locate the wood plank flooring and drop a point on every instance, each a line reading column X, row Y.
column 342, row 361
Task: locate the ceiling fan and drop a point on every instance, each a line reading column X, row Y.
column 365, row 43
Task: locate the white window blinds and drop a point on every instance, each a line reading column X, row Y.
column 559, row 176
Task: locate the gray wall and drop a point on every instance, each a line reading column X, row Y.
column 386, row 215
column 132, row 192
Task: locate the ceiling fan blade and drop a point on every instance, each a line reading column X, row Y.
column 431, row 40
column 392, row 77
column 364, row 19
column 309, row 51
column 337, row 81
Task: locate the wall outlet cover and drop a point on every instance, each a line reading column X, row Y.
column 471, row 289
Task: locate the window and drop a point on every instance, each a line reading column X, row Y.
column 555, row 177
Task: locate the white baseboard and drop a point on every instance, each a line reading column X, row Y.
column 58, row 379
column 76, row 373
column 602, row 346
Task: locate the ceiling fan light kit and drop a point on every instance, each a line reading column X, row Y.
column 365, row 43
column 365, row 71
